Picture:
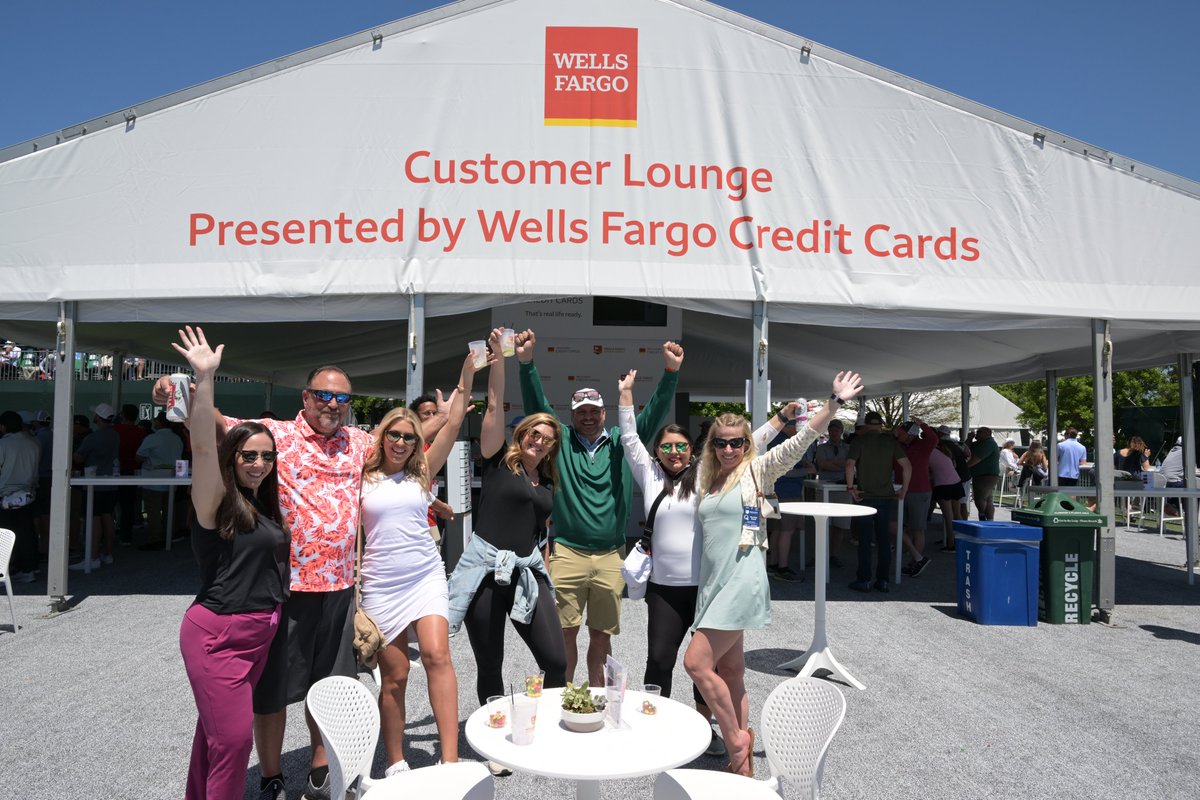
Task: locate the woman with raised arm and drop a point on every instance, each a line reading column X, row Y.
column 403, row 579
column 734, row 595
column 242, row 547
column 502, row 574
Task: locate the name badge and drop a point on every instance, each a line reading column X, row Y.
column 751, row 517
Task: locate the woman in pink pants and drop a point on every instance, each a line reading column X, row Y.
column 242, row 548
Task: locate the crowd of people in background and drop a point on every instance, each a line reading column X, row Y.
column 285, row 515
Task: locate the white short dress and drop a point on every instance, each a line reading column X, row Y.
column 403, row 578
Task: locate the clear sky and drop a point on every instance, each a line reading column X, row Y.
column 1119, row 75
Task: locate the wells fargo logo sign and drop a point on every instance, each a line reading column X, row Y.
column 591, row 77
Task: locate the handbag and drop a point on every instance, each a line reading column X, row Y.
column 368, row 639
column 768, row 504
column 637, row 566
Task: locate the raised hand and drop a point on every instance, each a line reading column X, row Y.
column 202, row 358
column 525, row 342
column 847, row 384
column 625, row 383
column 494, row 347
column 672, row 355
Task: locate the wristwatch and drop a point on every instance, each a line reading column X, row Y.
column 839, row 400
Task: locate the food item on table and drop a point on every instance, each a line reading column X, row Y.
column 648, row 707
column 533, row 685
column 497, row 719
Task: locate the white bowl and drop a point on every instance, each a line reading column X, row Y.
column 583, row 723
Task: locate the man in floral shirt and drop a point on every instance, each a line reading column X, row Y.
column 320, row 463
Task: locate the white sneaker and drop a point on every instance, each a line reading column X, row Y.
column 106, row 559
column 83, row 564
column 396, row 769
column 498, row 770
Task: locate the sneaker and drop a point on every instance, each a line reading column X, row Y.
column 316, row 792
column 106, row 559
column 918, row 567
column 861, row 586
column 880, row 586
column 716, row 747
column 908, row 568
column 788, row 575
column 83, row 564
column 498, row 770
column 274, row 790
column 772, row 571
column 397, row 768
column 24, row 577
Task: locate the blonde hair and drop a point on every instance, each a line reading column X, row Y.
column 710, row 467
column 548, row 466
column 416, row 466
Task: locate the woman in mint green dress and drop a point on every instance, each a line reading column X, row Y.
column 734, row 596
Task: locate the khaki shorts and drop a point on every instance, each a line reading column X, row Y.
column 588, row 579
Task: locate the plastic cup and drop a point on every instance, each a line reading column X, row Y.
column 651, row 692
column 497, row 709
column 524, row 718
column 478, row 353
column 508, row 342
column 534, row 679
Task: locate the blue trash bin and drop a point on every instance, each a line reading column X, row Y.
column 997, row 571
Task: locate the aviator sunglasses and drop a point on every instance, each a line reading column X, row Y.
column 250, row 456
column 395, row 436
column 325, row 396
column 679, row 447
column 536, row 437
column 590, row 394
column 736, row 444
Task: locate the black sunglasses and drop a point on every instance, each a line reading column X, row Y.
column 250, row 456
column 395, row 436
column 325, row 396
column 736, row 444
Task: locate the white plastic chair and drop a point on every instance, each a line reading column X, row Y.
column 1160, row 482
column 348, row 717
column 799, row 720
column 7, row 540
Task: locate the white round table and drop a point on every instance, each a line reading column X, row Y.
column 643, row 745
column 818, row 655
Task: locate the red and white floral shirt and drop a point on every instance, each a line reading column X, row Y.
column 319, row 479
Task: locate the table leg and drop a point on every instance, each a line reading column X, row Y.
column 587, row 790
column 170, row 526
column 818, row 656
column 87, row 532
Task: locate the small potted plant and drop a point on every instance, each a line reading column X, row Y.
column 582, row 711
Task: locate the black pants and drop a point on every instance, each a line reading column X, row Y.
column 25, row 552
column 1027, row 474
column 543, row 635
column 875, row 527
column 671, row 610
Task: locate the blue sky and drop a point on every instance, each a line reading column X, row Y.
column 1118, row 75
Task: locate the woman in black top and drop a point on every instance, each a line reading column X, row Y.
column 241, row 544
column 515, row 502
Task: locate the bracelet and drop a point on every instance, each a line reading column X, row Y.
column 839, row 400
column 782, row 418
column 460, row 388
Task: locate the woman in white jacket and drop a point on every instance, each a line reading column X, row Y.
column 734, row 595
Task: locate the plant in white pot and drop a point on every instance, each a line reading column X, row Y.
column 582, row 711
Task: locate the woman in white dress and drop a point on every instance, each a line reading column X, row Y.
column 403, row 578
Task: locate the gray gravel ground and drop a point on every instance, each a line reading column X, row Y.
column 95, row 702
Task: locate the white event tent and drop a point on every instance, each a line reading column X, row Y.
column 368, row 202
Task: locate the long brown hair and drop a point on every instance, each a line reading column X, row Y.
column 236, row 514
column 548, row 466
column 710, row 467
column 416, row 466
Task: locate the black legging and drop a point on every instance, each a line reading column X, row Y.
column 485, row 628
column 670, row 610
column 1027, row 473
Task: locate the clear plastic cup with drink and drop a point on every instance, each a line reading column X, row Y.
column 508, row 342
column 524, row 718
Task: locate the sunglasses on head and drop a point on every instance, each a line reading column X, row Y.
column 736, row 444
column 325, row 396
column 679, row 447
column 538, row 437
column 250, row 456
column 589, row 394
column 395, row 436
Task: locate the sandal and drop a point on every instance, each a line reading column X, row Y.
column 749, row 758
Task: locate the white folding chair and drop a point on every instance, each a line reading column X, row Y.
column 799, row 720
column 348, row 717
column 7, row 540
column 1008, row 487
column 1160, row 482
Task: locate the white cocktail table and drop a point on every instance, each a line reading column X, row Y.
column 643, row 745
column 114, row 481
column 818, row 655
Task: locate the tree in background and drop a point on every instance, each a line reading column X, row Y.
column 935, row 408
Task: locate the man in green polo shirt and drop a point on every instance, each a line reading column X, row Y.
column 591, row 505
column 984, row 463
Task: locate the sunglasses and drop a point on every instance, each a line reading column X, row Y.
column 250, row 456
column 395, row 436
column 590, row 394
column 736, row 444
column 679, row 447
column 540, row 438
column 325, row 396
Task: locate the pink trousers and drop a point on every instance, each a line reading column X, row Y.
column 224, row 655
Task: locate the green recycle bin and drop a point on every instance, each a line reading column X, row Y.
column 1068, row 556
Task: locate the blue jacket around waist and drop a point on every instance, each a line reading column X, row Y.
column 480, row 558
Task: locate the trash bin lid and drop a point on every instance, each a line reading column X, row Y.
column 996, row 529
column 1058, row 510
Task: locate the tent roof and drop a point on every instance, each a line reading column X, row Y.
column 111, row 213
